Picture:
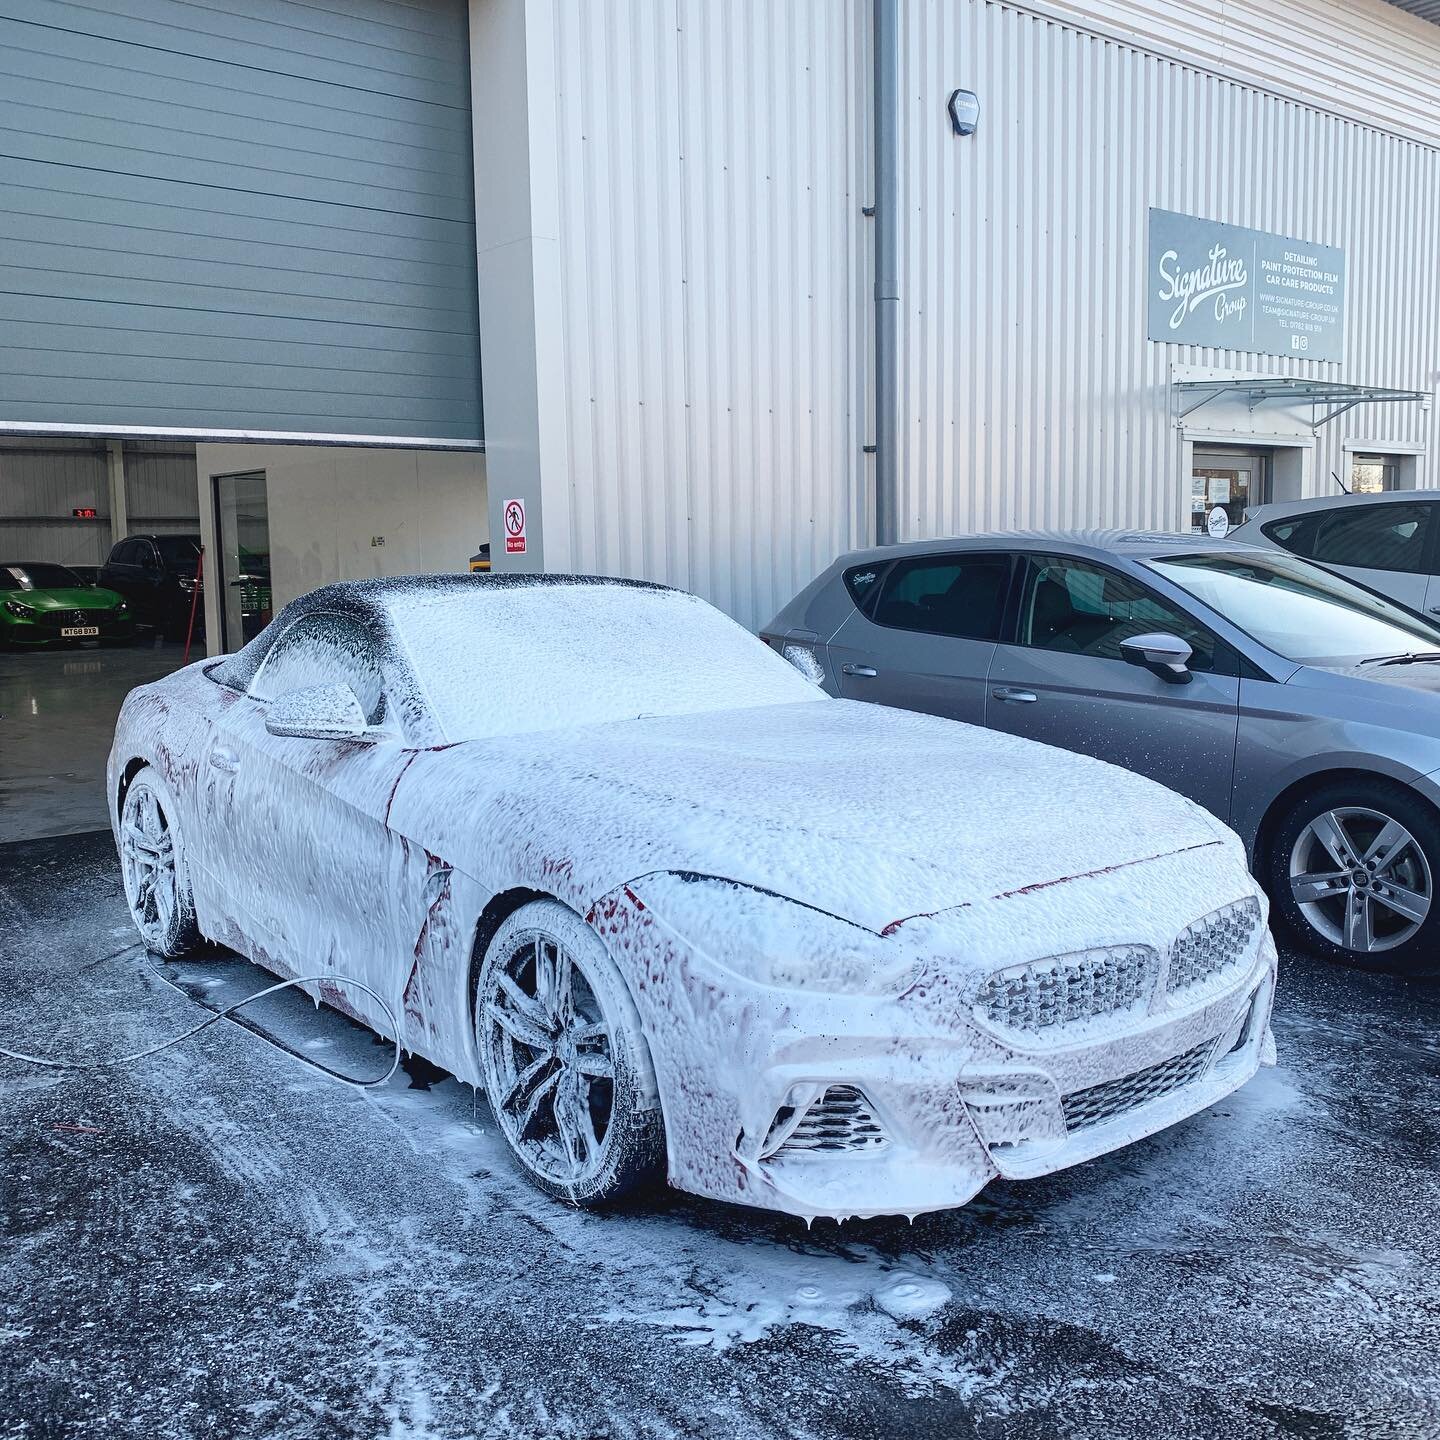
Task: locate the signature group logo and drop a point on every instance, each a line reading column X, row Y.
column 1221, row 282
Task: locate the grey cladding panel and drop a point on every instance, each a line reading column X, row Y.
column 238, row 214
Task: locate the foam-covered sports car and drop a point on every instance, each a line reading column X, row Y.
column 679, row 913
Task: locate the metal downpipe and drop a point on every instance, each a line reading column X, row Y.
column 886, row 99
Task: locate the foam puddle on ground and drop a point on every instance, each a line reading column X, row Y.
column 659, row 1268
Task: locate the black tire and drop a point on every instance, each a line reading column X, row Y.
column 1324, row 924
column 630, row 1154
column 160, row 898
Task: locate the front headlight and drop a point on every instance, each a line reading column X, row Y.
column 769, row 940
column 21, row 612
column 121, row 608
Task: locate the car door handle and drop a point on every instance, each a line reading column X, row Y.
column 1019, row 697
column 1435, row 609
column 224, row 758
column 867, row 672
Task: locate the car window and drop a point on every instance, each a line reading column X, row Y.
column 863, row 584
column 962, row 596
column 1374, row 537
column 1295, row 534
column 41, row 577
column 1298, row 610
column 1083, row 609
column 178, row 552
column 324, row 649
column 125, row 553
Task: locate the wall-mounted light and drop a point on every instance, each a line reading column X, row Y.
column 964, row 110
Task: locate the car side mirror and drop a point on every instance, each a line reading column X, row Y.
column 322, row 712
column 1168, row 656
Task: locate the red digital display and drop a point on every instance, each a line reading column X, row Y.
column 85, row 512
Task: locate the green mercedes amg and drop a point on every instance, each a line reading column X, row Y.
column 48, row 604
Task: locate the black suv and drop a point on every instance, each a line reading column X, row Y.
column 156, row 575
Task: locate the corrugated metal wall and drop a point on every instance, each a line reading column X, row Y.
column 1030, row 394
column 713, row 162
column 1361, row 58
column 43, row 481
column 255, row 216
column 712, row 169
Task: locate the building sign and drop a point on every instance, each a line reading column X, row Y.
column 1238, row 289
column 514, row 527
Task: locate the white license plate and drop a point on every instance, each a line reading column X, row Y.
column 78, row 632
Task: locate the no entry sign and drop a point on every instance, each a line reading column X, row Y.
column 514, row 527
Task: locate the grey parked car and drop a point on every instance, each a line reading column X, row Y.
column 1302, row 709
column 1390, row 542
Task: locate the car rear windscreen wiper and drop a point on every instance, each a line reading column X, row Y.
column 1410, row 658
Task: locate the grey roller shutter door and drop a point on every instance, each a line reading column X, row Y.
column 238, row 216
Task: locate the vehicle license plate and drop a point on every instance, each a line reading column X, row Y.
column 78, row 632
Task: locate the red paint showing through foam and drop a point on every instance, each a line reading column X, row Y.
column 894, row 925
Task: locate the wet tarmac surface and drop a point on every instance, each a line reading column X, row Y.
column 221, row 1242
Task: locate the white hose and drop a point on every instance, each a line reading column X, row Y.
column 346, row 980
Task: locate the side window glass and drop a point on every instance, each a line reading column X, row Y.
column 1082, row 609
column 1294, row 535
column 1374, row 537
column 324, row 649
column 962, row 596
column 124, row 553
column 863, row 585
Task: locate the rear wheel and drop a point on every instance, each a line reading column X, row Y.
column 1353, row 870
column 567, row 1070
column 152, row 865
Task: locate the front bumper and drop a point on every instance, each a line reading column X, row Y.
column 906, row 1111
column 45, row 630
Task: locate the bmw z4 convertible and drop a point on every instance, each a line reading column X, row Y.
column 679, row 913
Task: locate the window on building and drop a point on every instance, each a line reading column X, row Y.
column 1373, row 474
column 1374, row 537
column 1082, row 609
column 962, row 596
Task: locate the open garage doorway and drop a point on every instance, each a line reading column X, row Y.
column 92, row 509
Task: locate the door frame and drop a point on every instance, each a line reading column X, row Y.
column 218, row 582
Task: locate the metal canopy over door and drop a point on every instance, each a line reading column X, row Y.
column 238, row 217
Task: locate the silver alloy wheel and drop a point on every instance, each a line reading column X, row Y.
column 551, row 1050
column 148, row 865
column 1361, row 879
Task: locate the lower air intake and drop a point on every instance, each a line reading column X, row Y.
column 840, row 1120
column 1098, row 1103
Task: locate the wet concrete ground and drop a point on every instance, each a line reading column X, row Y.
column 57, row 719
column 220, row 1242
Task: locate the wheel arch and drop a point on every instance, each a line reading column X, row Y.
column 1281, row 803
column 132, row 768
column 499, row 909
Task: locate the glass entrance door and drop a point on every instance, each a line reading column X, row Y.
column 242, row 537
column 1231, row 479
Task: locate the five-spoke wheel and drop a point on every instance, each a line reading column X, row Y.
column 152, row 865
column 1353, row 872
column 567, row 1071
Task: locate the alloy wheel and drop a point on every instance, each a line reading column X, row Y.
column 148, row 864
column 551, row 1051
column 1361, row 879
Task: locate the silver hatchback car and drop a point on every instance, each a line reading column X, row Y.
column 1299, row 707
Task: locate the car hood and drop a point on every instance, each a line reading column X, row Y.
column 1421, row 675
column 71, row 598
column 867, row 813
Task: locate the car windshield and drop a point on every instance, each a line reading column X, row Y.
column 178, row 552
column 512, row 660
column 1297, row 609
column 42, row 577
